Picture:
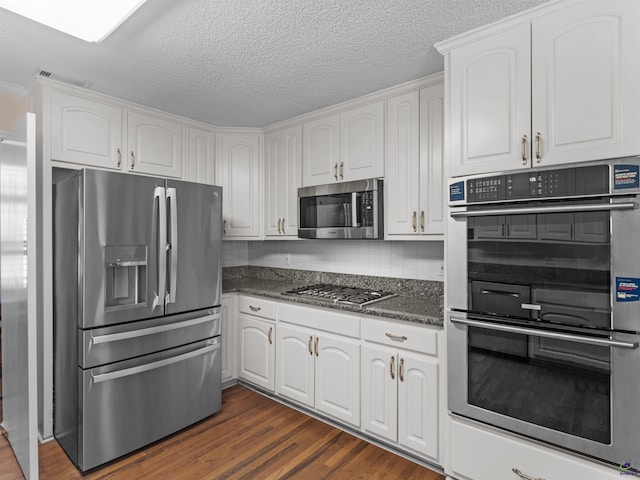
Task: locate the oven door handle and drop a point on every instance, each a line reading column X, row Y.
column 550, row 209
column 543, row 333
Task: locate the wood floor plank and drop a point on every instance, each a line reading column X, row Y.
column 252, row 438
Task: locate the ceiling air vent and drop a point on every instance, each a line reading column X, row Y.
column 63, row 79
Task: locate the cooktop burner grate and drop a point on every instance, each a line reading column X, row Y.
column 340, row 294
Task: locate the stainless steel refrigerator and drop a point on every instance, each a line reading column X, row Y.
column 137, row 285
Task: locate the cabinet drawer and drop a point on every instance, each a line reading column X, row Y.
column 257, row 306
column 484, row 455
column 399, row 335
column 318, row 319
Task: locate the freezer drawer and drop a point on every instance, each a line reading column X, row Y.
column 113, row 344
column 127, row 405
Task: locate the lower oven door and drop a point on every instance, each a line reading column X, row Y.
column 577, row 391
column 129, row 404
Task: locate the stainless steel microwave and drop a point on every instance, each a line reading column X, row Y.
column 347, row 210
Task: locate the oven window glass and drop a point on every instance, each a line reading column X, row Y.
column 551, row 267
column 561, row 385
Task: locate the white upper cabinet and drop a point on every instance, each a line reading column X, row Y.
column 238, row 157
column 344, row 147
column 85, row 132
column 490, row 103
column 321, row 157
column 557, row 87
column 154, row 145
column 585, row 79
column 282, row 175
column 200, row 164
column 362, row 143
column 415, row 173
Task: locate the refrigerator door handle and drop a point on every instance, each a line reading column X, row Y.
column 104, row 377
column 172, row 199
column 159, row 193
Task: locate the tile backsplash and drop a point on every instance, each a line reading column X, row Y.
column 399, row 259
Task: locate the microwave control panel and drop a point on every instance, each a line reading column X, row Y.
column 566, row 182
column 367, row 209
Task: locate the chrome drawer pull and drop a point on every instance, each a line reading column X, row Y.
column 522, row 475
column 396, row 337
column 254, row 309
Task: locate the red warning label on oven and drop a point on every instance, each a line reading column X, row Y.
column 627, row 289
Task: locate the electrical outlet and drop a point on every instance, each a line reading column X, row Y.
column 441, row 270
column 287, row 259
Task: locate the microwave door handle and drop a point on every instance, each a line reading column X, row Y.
column 354, row 209
column 172, row 200
column 549, row 209
column 603, row 342
column 160, row 194
column 345, row 213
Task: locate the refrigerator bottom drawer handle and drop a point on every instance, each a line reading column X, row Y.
column 105, row 377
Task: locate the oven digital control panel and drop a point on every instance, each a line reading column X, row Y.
column 566, row 182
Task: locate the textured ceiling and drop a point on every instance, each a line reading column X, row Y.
column 250, row 62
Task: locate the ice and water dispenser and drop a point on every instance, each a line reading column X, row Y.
column 126, row 275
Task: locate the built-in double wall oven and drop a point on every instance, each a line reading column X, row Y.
column 543, row 296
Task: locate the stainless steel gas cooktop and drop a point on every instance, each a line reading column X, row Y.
column 340, row 294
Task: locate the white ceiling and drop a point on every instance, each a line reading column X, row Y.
column 250, row 62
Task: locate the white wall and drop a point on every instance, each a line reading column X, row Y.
column 406, row 259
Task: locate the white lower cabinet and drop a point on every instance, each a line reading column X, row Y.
column 400, row 388
column 481, row 454
column 257, row 351
column 317, row 364
column 228, row 341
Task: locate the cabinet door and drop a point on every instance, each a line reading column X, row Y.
column 362, row 143
column 488, row 227
column 418, row 404
column 585, row 77
column 555, row 226
column 239, row 158
column 432, row 176
column 257, row 351
column 321, row 151
column 521, row 227
column 154, row 145
column 592, row 227
column 295, row 364
column 283, row 167
column 228, row 343
column 402, row 182
column 490, row 103
column 85, row 132
column 380, row 392
column 338, row 378
column 200, row 165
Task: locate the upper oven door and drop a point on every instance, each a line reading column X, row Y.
column 567, row 262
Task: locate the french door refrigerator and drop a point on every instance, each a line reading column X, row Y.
column 137, row 285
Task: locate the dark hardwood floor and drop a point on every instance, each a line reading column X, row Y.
column 252, row 438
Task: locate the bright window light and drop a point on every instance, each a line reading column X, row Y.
column 89, row 20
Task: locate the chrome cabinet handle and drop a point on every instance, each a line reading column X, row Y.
column 310, row 347
column 392, row 367
column 316, row 346
column 422, row 221
column 341, row 170
column 279, row 226
column 538, row 151
column 119, row 153
column 254, row 309
column 224, row 227
column 269, row 335
column 283, row 232
column 523, row 149
column 523, row 476
column 396, row 337
column 133, row 159
column 335, row 170
column 414, row 217
column 401, row 370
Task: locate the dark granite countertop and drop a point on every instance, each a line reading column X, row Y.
column 418, row 301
